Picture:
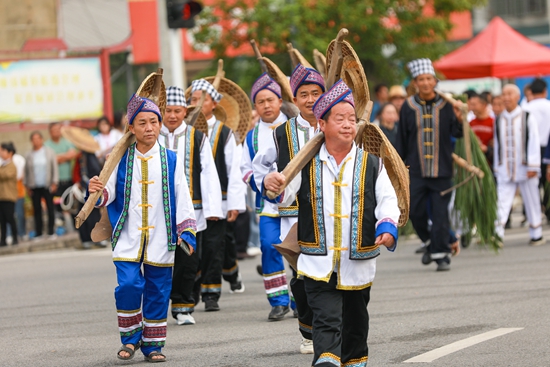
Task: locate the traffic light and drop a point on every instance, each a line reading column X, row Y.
column 181, row 13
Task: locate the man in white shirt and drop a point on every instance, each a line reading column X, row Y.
column 348, row 209
column 227, row 156
column 517, row 163
column 539, row 109
column 193, row 148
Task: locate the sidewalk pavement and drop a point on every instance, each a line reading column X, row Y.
column 70, row 240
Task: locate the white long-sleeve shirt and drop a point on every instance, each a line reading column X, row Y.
column 236, row 189
column 352, row 274
column 268, row 156
column 130, row 243
column 211, row 193
column 539, row 109
column 265, row 137
column 512, row 159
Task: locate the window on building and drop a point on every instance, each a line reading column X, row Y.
column 518, row 8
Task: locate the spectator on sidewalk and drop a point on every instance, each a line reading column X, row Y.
column 41, row 180
column 65, row 155
column 397, row 95
column 388, row 120
column 382, row 96
column 8, row 193
column 107, row 138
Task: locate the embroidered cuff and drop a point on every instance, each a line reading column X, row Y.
column 189, row 225
column 189, row 238
column 102, row 199
column 249, row 179
column 387, row 226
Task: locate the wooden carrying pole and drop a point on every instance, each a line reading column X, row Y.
column 311, row 148
column 465, row 124
column 116, row 155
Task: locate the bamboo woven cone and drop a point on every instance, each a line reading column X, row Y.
column 296, row 57
column 153, row 88
column 311, row 148
column 80, row 138
column 200, row 121
column 320, row 61
column 234, row 104
column 276, row 74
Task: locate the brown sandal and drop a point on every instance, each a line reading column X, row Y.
column 128, row 350
column 150, row 358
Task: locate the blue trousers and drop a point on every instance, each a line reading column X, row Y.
column 273, row 265
column 150, row 288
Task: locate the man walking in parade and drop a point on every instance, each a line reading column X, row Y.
column 341, row 192
column 193, row 148
column 151, row 213
column 227, row 157
column 426, row 125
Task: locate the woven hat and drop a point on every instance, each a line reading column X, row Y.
column 236, row 105
column 339, row 92
column 281, row 79
column 80, row 138
column 264, row 81
column 353, row 74
column 175, row 97
column 374, row 141
column 200, row 124
column 302, row 74
column 139, row 104
column 203, row 84
column 421, row 66
column 397, row 91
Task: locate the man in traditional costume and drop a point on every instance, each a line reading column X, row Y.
column 151, row 212
column 426, row 125
column 227, row 156
column 307, row 86
column 194, row 151
column 517, row 163
column 347, row 210
column 266, row 97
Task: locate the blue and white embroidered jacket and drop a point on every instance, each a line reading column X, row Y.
column 149, row 206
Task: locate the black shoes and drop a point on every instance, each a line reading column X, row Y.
column 211, row 305
column 296, row 313
column 444, row 264
column 278, row 313
column 426, row 258
column 260, row 270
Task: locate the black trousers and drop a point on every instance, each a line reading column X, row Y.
column 305, row 314
column 340, row 322
column 183, row 279
column 85, row 230
column 38, row 194
column 423, row 189
column 230, row 270
column 542, row 183
column 211, row 259
column 241, row 231
column 7, row 216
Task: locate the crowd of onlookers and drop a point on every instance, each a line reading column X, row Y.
column 43, row 178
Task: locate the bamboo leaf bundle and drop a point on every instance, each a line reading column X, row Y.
column 476, row 201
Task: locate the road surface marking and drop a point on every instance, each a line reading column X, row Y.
column 461, row 344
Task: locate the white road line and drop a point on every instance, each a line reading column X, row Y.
column 461, row 344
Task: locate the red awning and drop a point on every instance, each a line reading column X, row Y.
column 498, row 51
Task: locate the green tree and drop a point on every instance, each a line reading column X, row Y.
column 377, row 29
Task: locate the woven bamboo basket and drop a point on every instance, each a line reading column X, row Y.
column 147, row 90
column 294, row 53
column 80, row 138
column 353, row 75
column 375, row 142
column 201, row 124
column 235, row 104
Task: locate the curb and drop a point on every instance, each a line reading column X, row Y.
column 71, row 240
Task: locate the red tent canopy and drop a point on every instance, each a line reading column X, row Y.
column 498, row 51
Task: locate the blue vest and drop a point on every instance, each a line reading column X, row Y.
column 118, row 209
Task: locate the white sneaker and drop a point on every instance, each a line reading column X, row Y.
column 253, row 251
column 185, row 319
column 307, row 346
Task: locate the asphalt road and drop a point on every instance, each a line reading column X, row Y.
column 57, row 309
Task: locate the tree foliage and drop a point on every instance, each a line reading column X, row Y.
column 399, row 26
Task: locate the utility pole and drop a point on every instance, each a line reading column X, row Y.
column 171, row 56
